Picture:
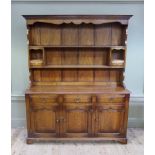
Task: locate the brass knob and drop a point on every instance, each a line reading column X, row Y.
column 111, row 99
column 95, row 119
column 61, row 118
column 91, row 110
column 43, row 100
column 110, row 108
column 77, row 100
column 57, row 120
column 60, row 99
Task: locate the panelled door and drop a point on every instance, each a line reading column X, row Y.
column 109, row 119
column 109, row 116
column 76, row 116
column 44, row 114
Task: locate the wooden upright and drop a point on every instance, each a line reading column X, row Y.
column 77, row 65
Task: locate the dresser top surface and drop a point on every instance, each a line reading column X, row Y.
column 76, row 90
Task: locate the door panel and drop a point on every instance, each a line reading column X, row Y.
column 44, row 121
column 109, row 120
column 80, row 120
column 44, row 117
column 77, row 120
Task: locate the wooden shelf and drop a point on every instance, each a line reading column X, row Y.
column 76, row 46
column 76, row 66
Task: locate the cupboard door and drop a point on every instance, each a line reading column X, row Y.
column 77, row 120
column 43, row 117
column 109, row 120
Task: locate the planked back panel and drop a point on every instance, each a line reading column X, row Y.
column 44, row 34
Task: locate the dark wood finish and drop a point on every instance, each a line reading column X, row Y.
column 76, row 66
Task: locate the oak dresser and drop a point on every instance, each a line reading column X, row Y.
column 76, row 65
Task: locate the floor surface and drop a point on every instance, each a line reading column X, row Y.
column 135, row 146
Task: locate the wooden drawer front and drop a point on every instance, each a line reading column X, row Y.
column 39, row 102
column 43, row 106
column 110, row 98
column 77, row 98
column 119, row 107
column 43, row 98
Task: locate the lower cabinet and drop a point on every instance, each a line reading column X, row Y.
column 43, row 116
column 109, row 120
column 77, row 120
column 76, row 116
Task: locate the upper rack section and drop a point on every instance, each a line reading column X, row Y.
column 77, row 41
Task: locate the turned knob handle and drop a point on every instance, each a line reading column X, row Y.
column 60, row 99
column 111, row 99
column 110, row 108
column 77, row 100
column 91, row 110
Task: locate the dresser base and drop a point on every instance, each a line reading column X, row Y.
column 32, row 140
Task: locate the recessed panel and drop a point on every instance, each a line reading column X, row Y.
column 50, row 34
column 109, row 122
column 53, row 75
column 70, row 34
column 53, row 56
column 102, row 75
column 70, row 57
column 34, row 35
column 45, row 121
column 103, row 34
column 86, row 34
column 36, row 75
column 117, row 35
column 77, row 121
column 101, row 57
column 86, row 57
column 69, row 75
column 85, row 75
column 115, row 75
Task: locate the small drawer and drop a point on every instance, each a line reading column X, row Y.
column 43, row 98
column 77, row 98
column 43, row 106
column 110, row 98
column 111, row 107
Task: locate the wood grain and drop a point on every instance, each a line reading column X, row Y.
column 69, row 34
column 103, row 34
column 86, row 34
column 50, row 34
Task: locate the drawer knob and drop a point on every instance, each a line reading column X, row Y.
column 111, row 99
column 57, row 121
column 62, row 119
column 91, row 110
column 77, row 100
column 60, row 99
column 43, row 100
column 94, row 99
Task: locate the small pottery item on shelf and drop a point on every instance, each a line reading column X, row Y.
column 117, row 62
column 38, row 62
